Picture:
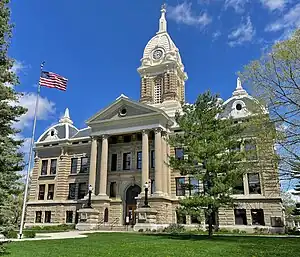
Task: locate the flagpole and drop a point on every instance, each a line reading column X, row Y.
column 30, row 157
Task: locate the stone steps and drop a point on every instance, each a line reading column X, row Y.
column 115, row 228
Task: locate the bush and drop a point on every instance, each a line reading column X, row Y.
column 154, row 230
column 223, row 230
column 293, row 231
column 62, row 227
column 235, row 231
column 29, row 233
column 3, row 249
column 141, row 230
column 11, row 234
column 174, row 228
column 261, row 230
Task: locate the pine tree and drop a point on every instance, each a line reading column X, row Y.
column 10, row 157
column 211, row 155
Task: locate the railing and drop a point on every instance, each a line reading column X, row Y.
column 114, row 223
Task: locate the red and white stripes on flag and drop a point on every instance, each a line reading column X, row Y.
column 52, row 80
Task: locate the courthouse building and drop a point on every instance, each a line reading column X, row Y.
column 123, row 146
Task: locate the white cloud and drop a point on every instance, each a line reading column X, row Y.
column 216, row 35
column 16, row 68
column 28, row 100
column 289, row 22
column 295, row 198
column 237, row 5
column 182, row 13
column 274, row 4
column 244, row 33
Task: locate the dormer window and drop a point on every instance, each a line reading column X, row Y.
column 52, row 133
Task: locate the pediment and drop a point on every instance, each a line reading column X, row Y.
column 124, row 108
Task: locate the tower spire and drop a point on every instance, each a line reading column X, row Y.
column 162, row 20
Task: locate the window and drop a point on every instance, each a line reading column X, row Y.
column 181, row 218
column 74, row 162
column 69, row 216
column 238, row 189
column 47, row 216
column 254, row 183
column 276, row 222
column 250, row 149
column 126, row 161
column 180, row 190
column 152, row 162
column 72, row 189
column 38, row 217
column 157, row 90
column 195, row 220
column 82, row 190
column 41, row 192
column 105, row 219
column 84, row 167
column 113, row 189
column 50, row 192
column 240, row 217
column 53, row 165
column 179, row 153
column 258, row 217
column 114, row 159
column 152, row 189
column 139, row 160
column 44, row 167
column 193, row 186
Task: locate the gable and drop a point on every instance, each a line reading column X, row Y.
column 124, row 108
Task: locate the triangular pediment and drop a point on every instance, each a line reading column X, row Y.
column 124, row 108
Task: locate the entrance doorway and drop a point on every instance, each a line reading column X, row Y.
column 131, row 193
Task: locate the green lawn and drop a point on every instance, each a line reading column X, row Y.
column 131, row 244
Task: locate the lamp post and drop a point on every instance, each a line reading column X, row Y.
column 89, row 203
column 146, row 186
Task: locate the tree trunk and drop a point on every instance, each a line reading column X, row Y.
column 210, row 224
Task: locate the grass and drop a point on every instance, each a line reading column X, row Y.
column 133, row 244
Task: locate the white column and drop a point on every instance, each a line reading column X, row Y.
column 93, row 163
column 164, row 162
column 145, row 158
column 158, row 163
column 103, row 171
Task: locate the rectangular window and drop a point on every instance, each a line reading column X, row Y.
column 193, row 186
column 238, row 189
column 139, row 160
column 240, row 217
column 82, row 190
column 84, row 166
column 195, row 219
column 114, row 159
column 126, row 161
column 41, row 192
column 38, row 217
column 180, row 188
column 69, row 216
column 74, row 162
column 127, row 139
column 250, row 150
column 113, row 189
column 254, row 183
column 47, row 216
column 181, row 218
column 44, row 167
column 258, row 217
column 50, row 195
column 152, row 189
column 152, row 161
column 277, row 222
column 179, row 153
column 72, row 189
column 53, row 165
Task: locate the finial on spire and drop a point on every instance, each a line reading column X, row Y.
column 239, row 89
column 66, row 118
column 162, row 20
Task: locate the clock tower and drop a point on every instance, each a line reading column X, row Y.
column 162, row 72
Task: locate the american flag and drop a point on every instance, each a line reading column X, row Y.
column 50, row 79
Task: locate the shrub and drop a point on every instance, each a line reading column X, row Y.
column 243, row 232
column 174, row 228
column 3, row 249
column 235, row 231
column 154, row 230
column 11, row 234
column 141, row 230
column 29, row 233
column 62, row 227
column 223, row 230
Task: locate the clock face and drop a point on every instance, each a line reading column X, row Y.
column 157, row 54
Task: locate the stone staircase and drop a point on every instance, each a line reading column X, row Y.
column 114, row 226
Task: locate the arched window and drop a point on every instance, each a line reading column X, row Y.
column 158, row 90
column 106, row 215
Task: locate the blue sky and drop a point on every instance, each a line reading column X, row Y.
column 98, row 45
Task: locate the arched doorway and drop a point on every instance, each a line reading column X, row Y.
column 130, row 203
